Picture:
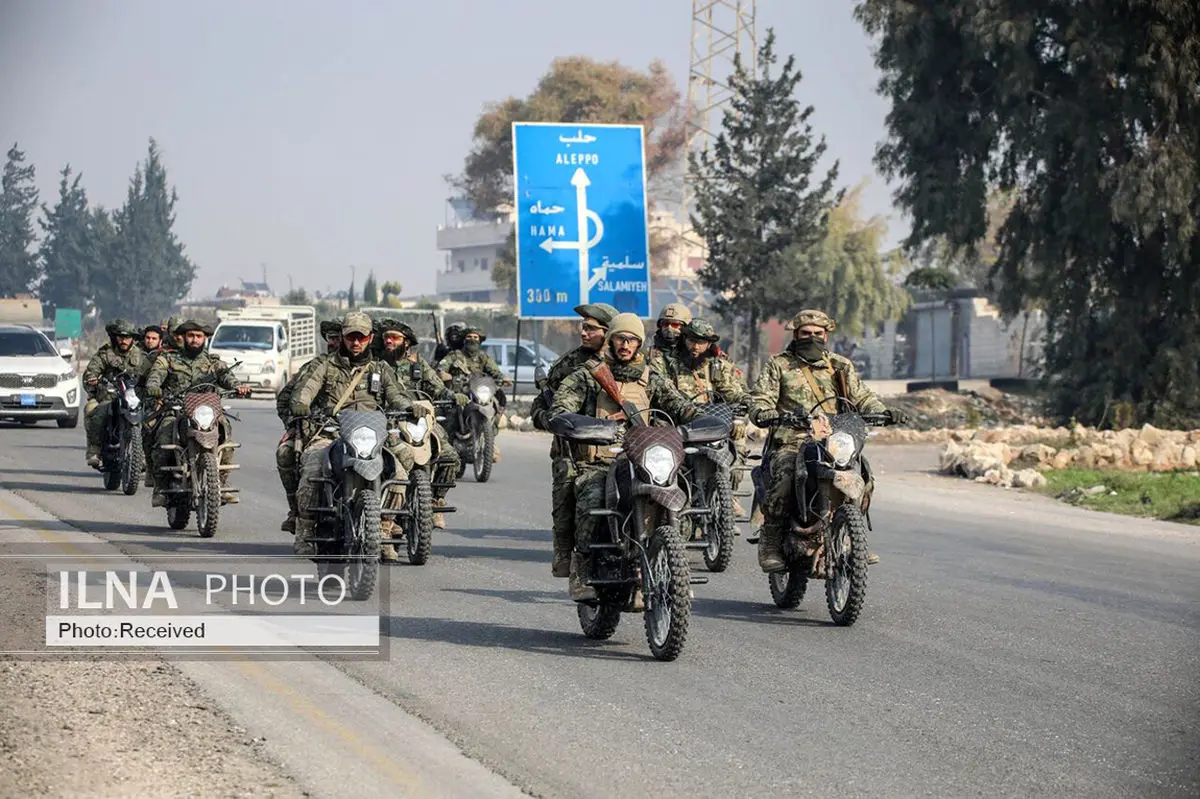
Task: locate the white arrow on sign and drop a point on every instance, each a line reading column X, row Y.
column 580, row 181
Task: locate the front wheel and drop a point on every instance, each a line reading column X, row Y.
column 846, row 549
column 485, row 446
column 419, row 535
column 362, row 531
column 668, row 593
column 787, row 588
column 207, row 491
column 599, row 621
column 720, row 524
column 132, row 461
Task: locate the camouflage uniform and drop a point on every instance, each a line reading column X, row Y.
column 580, row 393
column 321, row 390
column 663, row 351
column 457, row 367
column 431, row 383
column 108, row 362
column 787, row 386
column 562, row 470
column 175, row 371
column 287, row 456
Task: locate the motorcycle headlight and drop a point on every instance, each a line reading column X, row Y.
column 841, row 447
column 133, row 400
column 659, row 462
column 363, row 439
column 483, row 395
column 204, row 416
column 416, row 431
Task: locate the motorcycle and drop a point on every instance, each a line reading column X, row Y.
column 122, row 459
column 355, row 472
column 708, row 462
column 414, row 517
column 473, row 435
column 194, row 480
column 638, row 562
column 833, row 488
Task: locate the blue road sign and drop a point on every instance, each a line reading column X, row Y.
column 581, row 218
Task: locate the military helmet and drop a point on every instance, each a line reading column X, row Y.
column 699, row 329
column 477, row 330
column 629, row 323
column 390, row 323
column 454, row 332
column 602, row 312
column 331, row 327
column 191, row 325
column 675, row 312
column 174, row 322
column 811, row 317
column 120, row 327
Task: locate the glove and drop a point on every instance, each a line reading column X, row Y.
column 422, row 412
column 299, row 409
column 897, row 416
column 461, row 399
column 765, row 418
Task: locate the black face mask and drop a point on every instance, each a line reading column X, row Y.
column 471, row 347
column 809, row 348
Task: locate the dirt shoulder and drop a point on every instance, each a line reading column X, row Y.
column 110, row 727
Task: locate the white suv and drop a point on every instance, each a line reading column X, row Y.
column 36, row 381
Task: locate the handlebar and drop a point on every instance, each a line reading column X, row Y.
column 796, row 421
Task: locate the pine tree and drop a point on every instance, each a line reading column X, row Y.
column 755, row 198
column 67, row 251
column 18, row 202
column 370, row 292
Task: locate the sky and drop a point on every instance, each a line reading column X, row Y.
column 309, row 136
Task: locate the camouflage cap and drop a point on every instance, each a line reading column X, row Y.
column 174, row 322
column 811, row 317
column 628, row 323
column 602, row 312
column 675, row 312
column 191, row 325
column 121, row 327
column 330, row 327
column 698, row 328
column 468, row 329
column 356, row 322
column 388, row 323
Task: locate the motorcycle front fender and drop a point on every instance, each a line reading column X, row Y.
column 672, row 497
column 486, row 411
column 722, row 456
column 368, row 469
column 205, row 440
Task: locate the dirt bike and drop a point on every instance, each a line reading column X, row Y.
column 474, row 435
column 832, row 490
column 709, row 460
column 414, row 517
column 638, row 562
column 194, row 480
column 122, row 459
column 355, row 471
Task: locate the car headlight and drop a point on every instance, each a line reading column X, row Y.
column 416, row 431
column 841, row 447
column 363, row 439
column 483, row 395
column 133, row 400
column 204, row 416
column 659, row 462
column 268, row 368
column 65, row 376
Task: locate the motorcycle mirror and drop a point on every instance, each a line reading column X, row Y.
column 227, row 408
column 616, row 450
column 690, row 450
column 440, row 418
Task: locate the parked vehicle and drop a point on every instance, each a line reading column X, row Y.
column 37, row 382
column 122, row 459
column 272, row 343
column 506, row 353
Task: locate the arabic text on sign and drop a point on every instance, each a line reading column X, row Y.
column 572, row 159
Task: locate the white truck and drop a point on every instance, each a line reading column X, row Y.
column 271, row 341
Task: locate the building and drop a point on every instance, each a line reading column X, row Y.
column 247, row 291
column 472, row 243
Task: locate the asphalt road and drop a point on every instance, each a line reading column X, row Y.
column 1010, row 645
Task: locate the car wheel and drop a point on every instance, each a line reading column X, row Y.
column 70, row 421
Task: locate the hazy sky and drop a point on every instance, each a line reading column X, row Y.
column 313, row 135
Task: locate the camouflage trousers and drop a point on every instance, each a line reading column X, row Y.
column 166, row 434
column 562, row 505
column 590, row 484
column 448, row 457
column 735, row 475
column 287, row 463
column 780, row 502
column 95, row 419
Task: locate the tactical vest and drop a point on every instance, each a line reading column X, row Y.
column 636, row 394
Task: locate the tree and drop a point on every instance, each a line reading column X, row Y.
column 392, row 288
column 756, row 205
column 297, row 297
column 1088, row 114
column 370, row 292
column 68, row 251
column 147, row 270
column 574, row 89
column 18, row 201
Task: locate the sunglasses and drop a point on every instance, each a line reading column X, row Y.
column 621, row 340
column 587, row 327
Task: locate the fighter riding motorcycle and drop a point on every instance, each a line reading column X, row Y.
column 638, row 562
column 414, row 517
column 473, row 433
column 709, row 460
column 193, row 481
column 833, row 488
column 122, row 459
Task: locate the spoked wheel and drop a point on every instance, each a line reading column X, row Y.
column 846, row 588
column 362, row 572
column 787, row 588
column 419, row 535
column 485, row 445
column 132, row 461
column 720, row 524
column 668, row 593
column 599, row 621
column 208, row 494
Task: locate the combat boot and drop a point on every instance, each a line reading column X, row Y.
column 580, row 592
column 289, row 524
column 387, row 550
column 564, row 545
column 158, row 499
column 302, row 546
column 439, row 521
column 770, row 550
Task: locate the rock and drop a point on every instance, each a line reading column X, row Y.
column 527, row 426
column 1187, row 458
column 1095, row 490
column 1039, row 453
column 1141, row 455
column 1029, row 478
column 1150, row 434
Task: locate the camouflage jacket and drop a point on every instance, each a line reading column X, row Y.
column 559, row 371
column 429, row 381
column 283, row 400
column 579, row 391
column 783, row 386
column 459, row 365
column 660, row 360
column 716, row 379
column 375, row 390
column 109, row 362
column 174, row 371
